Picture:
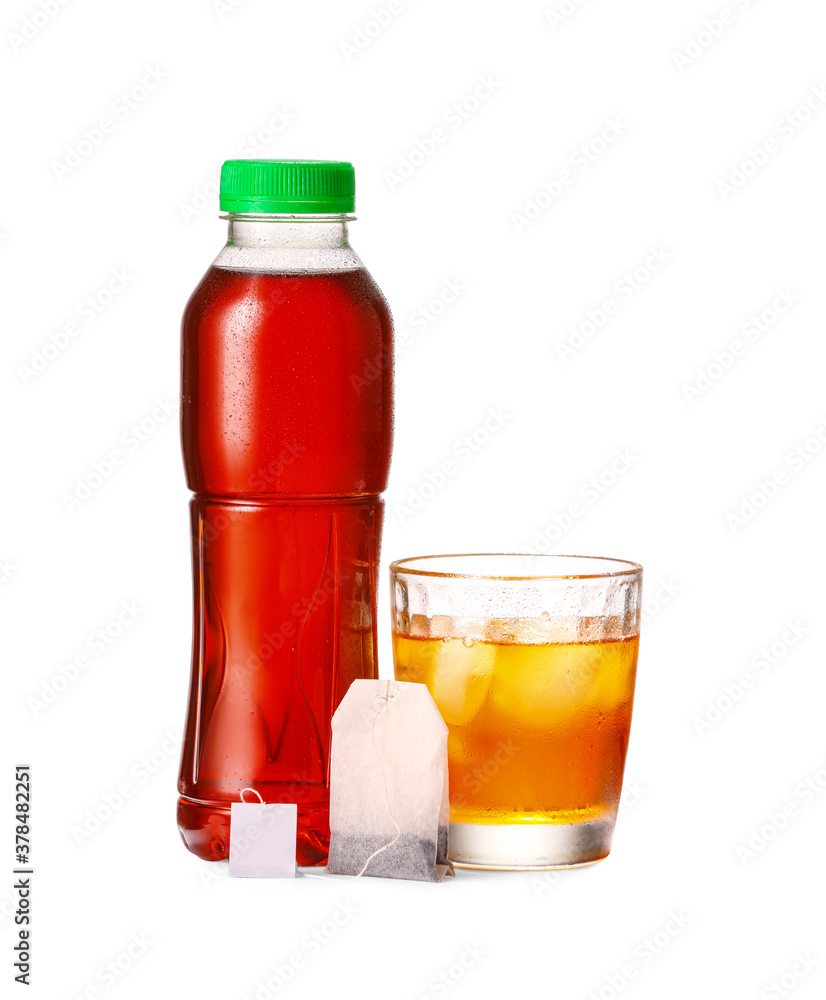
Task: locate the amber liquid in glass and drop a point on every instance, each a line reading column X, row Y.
column 538, row 731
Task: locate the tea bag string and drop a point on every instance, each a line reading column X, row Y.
column 384, row 701
column 254, row 792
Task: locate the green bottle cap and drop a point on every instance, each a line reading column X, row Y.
column 292, row 187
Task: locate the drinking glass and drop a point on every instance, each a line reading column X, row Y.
column 531, row 660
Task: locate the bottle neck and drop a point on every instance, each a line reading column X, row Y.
column 279, row 243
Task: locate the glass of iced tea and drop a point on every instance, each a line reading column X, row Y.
column 531, row 660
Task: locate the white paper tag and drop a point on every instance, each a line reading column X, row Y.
column 262, row 839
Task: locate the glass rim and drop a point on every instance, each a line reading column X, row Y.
column 631, row 569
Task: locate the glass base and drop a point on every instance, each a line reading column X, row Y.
column 530, row 847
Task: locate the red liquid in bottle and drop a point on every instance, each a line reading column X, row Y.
column 287, row 424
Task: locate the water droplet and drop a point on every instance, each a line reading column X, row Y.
column 545, row 616
column 467, row 640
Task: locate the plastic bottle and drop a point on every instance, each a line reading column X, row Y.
column 286, row 433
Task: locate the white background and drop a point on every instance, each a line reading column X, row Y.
column 713, row 767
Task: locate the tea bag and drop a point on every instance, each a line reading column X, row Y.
column 388, row 784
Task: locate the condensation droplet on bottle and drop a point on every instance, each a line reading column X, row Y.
column 545, row 616
column 467, row 640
